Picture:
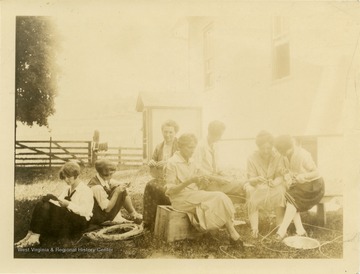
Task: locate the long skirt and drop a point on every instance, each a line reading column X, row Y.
column 51, row 220
column 154, row 195
column 207, row 210
column 264, row 197
column 305, row 196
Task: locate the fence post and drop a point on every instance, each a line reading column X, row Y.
column 89, row 154
column 119, row 157
column 50, row 151
column 93, row 156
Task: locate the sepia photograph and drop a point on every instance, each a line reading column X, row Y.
column 180, row 136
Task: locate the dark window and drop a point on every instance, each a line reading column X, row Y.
column 281, row 67
column 208, row 56
column 280, row 48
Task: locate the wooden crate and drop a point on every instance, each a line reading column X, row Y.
column 172, row 225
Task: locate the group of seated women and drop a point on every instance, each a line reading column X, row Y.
column 186, row 175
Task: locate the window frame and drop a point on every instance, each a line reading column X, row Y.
column 208, row 56
column 280, row 37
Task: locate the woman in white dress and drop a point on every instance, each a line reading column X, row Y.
column 207, row 210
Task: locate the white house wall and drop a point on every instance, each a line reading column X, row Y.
column 244, row 95
column 233, row 154
column 330, row 163
column 312, row 101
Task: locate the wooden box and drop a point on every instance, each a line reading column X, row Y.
column 172, row 225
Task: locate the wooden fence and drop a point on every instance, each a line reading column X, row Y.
column 50, row 153
column 124, row 156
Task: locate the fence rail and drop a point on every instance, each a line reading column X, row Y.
column 48, row 153
column 125, row 156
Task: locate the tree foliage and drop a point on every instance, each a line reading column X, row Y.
column 36, row 70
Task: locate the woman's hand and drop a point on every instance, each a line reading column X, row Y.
column 161, row 163
column 63, row 202
column 152, row 163
column 289, row 179
column 173, row 189
column 301, row 178
column 202, row 181
column 257, row 180
column 120, row 188
column 48, row 197
column 261, row 180
column 277, row 181
column 284, row 171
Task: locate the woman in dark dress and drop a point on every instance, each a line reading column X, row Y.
column 62, row 216
column 154, row 193
column 305, row 185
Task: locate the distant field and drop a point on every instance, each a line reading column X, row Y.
column 117, row 126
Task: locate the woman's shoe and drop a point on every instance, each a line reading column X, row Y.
column 137, row 218
column 278, row 238
column 237, row 243
column 303, row 234
column 255, row 233
column 117, row 220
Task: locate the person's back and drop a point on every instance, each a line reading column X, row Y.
column 207, row 161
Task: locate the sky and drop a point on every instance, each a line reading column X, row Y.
column 106, row 59
column 110, row 53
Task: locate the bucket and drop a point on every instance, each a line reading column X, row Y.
column 301, row 242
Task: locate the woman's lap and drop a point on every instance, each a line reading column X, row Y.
column 206, row 209
column 189, row 200
column 154, row 195
column 57, row 221
column 306, row 195
column 266, row 198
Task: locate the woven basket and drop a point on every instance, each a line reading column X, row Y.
column 118, row 232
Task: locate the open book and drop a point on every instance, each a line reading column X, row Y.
column 55, row 202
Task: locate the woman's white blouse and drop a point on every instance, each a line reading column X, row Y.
column 82, row 201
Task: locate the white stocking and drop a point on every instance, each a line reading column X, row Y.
column 254, row 222
column 298, row 224
column 290, row 213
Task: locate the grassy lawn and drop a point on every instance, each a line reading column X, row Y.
column 31, row 184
